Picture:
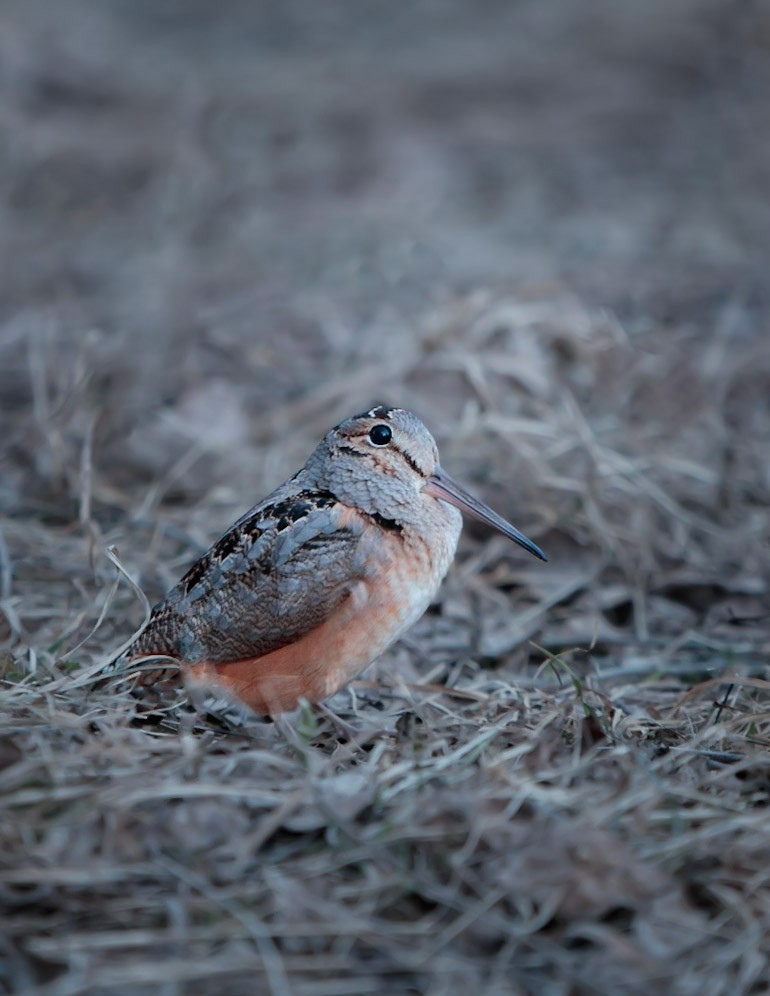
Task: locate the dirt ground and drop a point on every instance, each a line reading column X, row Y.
column 543, row 226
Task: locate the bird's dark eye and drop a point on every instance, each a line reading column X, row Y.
column 380, row 435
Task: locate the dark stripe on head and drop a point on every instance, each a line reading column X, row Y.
column 411, row 462
column 390, row 524
column 407, row 459
column 352, row 451
column 379, row 411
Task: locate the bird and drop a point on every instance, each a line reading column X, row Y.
column 314, row 582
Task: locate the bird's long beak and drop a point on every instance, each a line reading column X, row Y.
column 441, row 485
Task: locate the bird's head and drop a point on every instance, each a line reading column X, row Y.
column 385, row 462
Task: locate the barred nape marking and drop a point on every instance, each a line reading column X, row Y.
column 380, row 411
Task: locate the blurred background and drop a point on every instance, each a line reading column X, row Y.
column 542, row 225
column 545, row 227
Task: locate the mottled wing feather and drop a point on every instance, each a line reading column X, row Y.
column 279, row 572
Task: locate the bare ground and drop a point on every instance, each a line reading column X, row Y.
column 543, row 226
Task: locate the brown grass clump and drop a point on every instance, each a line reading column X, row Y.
column 558, row 783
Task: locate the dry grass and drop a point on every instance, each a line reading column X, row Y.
column 559, row 782
column 504, row 815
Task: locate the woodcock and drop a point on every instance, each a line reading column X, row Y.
column 312, row 584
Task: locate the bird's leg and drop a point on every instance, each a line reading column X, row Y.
column 348, row 731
